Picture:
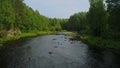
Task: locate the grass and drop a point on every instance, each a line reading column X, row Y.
column 100, row 42
column 23, row 35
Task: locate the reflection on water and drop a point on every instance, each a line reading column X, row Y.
column 55, row 51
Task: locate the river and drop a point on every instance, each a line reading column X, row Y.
column 55, row 51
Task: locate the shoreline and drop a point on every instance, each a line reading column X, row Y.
column 24, row 35
column 99, row 42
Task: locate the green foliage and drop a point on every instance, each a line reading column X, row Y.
column 101, row 42
column 16, row 14
column 64, row 24
column 113, row 8
column 57, row 24
column 97, row 18
column 7, row 16
column 77, row 22
column 100, row 26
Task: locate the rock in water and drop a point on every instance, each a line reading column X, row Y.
column 55, row 47
column 50, row 52
column 54, row 39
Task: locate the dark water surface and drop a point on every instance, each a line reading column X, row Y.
column 55, row 51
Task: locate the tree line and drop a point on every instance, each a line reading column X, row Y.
column 15, row 14
column 102, row 19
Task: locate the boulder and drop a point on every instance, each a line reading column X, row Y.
column 10, row 33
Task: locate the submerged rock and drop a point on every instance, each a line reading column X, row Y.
column 55, row 46
column 50, row 52
column 54, row 39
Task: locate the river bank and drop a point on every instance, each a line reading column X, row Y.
column 101, row 43
column 23, row 35
column 98, row 42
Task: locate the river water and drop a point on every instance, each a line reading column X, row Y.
column 55, row 51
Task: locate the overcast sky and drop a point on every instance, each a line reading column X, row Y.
column 58, row 8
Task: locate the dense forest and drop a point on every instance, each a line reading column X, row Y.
column 100, row 24
column 100, row 20
column 16, row 17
